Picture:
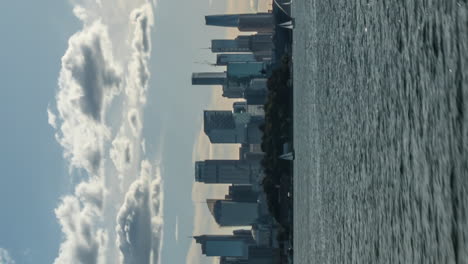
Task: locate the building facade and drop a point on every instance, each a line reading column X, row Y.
column 209, row 78
column 227, row 171
column 235, row 245
column 254, row 43
column 233, row 213
column 256, row 22
column 230, row 127
column 224, row 58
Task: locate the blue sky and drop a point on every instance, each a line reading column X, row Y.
column 34, row 174
column 99, row 128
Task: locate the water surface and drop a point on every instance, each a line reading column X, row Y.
column 381, row 140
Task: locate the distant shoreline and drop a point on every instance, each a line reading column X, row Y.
column 278, row 132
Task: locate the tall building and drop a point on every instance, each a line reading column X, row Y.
column 223, row 20
column 257, row 91
column 229, row 127
column 227, row 171
column 224, row 58
column 232, row 260
column 257, row 255
column 258, row 22
column 245, row 71
column 236, row 245
column 239, row 44
column 237, row 72
column 242, row 193
column 263, row 255
column 209, row 78
column 233, row 213
column 253, row 43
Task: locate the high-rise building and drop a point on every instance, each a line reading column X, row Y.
column 257, row 91
column 233, row 213
column 239, row 44
column 229, row 127
column 223, row 20
column 232, row 260
column 240, row 71
column 209, row 78
column 236, row 245
column 253, row 43
column 237, row 72
column 256, row 255
column 227, row 171
column 224, row 58
column 259, row 22
column 263, row 255
column 242, row 193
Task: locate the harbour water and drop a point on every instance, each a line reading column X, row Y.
column 381, row 131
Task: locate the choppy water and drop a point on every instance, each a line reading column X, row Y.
column 381, row 139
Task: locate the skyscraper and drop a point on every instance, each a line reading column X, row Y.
column 209, row 78
column 259, row 22
column 223, row 20
column 227, row 171
column 236, row 245
column 224, row 59
column 253, row 43
column 242, row 193
column 229, row 127
column 233, row 213
column 232, row 260
column 238, row 71
column 239, row 44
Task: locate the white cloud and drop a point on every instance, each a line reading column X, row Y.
column 5, row 257
column 137, row 83
column 79, row 216
column 121, row 152
column 109, row 55
column 139, row 221
column 51, row 118
column 134, row 121
column 88, row 81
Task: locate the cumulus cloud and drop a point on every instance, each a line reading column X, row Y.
column 88, row 80
column 89, row 75
column 78, row 216
column 51, row 118
column 134, row 121
column 137, row 84
column 5, row 257
column 121, row 152
column 139, row 221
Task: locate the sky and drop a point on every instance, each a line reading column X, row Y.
column 101, row 127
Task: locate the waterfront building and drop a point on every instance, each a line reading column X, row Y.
column 242, row 193
column 239, row 44
column 254, row 43
column 263, row 255
column 236, row 73
column 235, row 245
column 256, row 255
column 230, row 127
column 233, row 213
column 232, row 260
column 245, row 71
column 209, row 78
column 224, row 58
column 227, row 171
column 258, row 22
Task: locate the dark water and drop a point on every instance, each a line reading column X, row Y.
column 381, row 131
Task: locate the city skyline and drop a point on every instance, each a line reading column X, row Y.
column 116, row 147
